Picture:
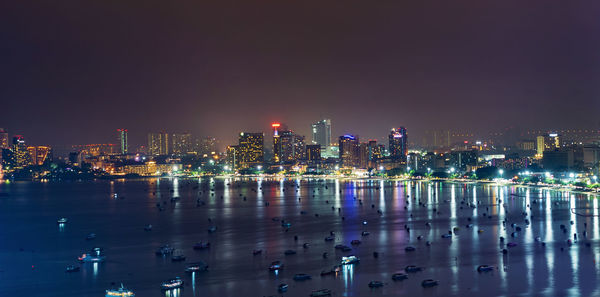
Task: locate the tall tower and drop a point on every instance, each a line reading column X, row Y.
column 122, row 140
column 398, row 144
column 321, row 133
column 349, row 151
column 3, row 139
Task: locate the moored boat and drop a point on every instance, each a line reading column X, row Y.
column 350, row 260
column 399, row 276
column 171, row 284
column 72, row 268
column 375, row 284
column 119, row 292
column 484, row 268
column 196, row 267
column 301, row 277
column 429, row 283
column 320, row 293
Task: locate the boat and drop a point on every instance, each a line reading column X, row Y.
column 350, row 260
column 511, row 244
column 171, row 284
column 91, row 258
column 256, row 252
column 399, row 276
column 429, row 283
column 201, row 245
column 72, row 268
column 276, row 265
column 365, row 233
column 333, row 270
column 285, row 224
column 301, row 277
column 148, row 228
column 484, row 268
column 346, row 249
column 412, row 268
column 178, row 258
column 355, row 242
column 339, row 246
column 282, row 288
column 447, row 235
column 62, row 221
column 329, row 238
column 196, row 267
column 90, row 236
column 120, row 292
column 164, row 250
column 306, row 245
column 289, row 252
column 375, row 284
column 320, row 293
column 212, row 229
column 410, row 249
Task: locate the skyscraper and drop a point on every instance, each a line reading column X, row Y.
column 313, row 152
column 321, row 133
column 181, row 143
column 3, row 139
column 158, row 144
column 251, row 149
column 349, row 151
column 122, row 140
column 398, row 144
column 39, row 154
column 20, row 153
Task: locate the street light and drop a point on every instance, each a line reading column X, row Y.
column 501, row 172
column 452, row 169
column 380, row 168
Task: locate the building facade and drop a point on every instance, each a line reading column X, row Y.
column 321, row 133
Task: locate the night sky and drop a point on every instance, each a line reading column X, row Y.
column 72, row 72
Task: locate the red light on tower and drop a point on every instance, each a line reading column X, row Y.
column 276, row 125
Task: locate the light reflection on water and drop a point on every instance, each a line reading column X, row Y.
column 243, row 225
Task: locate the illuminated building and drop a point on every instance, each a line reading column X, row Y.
column 349, row 151
column 3, row 139
column 21, row 156
column 181, row 143
column 313, row 152
column 207, row 146
column 291, row 146
column 93, row 150
column 463, row 160
column 321, row 133
column 122, row 141
column 158, row 144
column 540, row 146
column 277, row 130
column 547, row 142
column 251, row 149
column 232, row 158
column 38, row 154
column 398, row 144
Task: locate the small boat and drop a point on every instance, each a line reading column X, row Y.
column 301, row 277
column 329, row 238
column 375, row 284
column 339, row 246
column 511, row 244
column 484, row 268
column 276, row 219
column 256, row 252
column 282, row 288
column 412, row 268
column 148, row 228
column 91, row 258
column 62, row 221
column 285, row 224
column 355, row 242
column 212, row 229
column 164, row 250
column 447, row 235
column 178, row 258
column 410, row 249
column 72, row 268
column 201, row 245
column 90, row 236
column 320, row 293
column 365, row 233
column 429, row 283
column 120, row 292
column 333, row 270
column 276, row 265
column 289, row 252
column 350, row 260
column 196, row 267
column 171, row 284
column 399, row 276
column 346, row 249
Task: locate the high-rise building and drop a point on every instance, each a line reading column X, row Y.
column 540, row 146
column 181, row 143
column 122, row 141
column 39, row 154
column 398, row 144
column 206, row 145
column 158, row 144
column 3, row 139
column 321, row 133
column 349, row 151
column 278, row 128
column 233, row 156
column 21, row 156
column 313, row 152
column 291, row 146
column 251, row 149
column 547, row 142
